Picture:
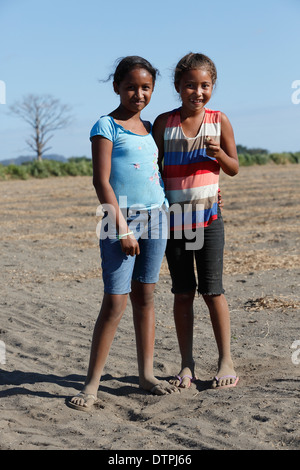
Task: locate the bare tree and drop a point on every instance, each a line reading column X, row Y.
column 44, row 114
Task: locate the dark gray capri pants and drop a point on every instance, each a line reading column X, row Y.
column 209, row 261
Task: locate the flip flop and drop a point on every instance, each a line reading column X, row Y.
column 84, row 396
column 192, row 379
column 227, row 377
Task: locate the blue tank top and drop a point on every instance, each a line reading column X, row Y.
column 134, row 177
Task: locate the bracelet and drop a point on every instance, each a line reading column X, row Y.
column 124, row 235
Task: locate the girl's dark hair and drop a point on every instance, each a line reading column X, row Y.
column 126, row 64
column 193, row 61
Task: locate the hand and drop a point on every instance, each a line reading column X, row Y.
column 130, row 246
column 220, row 200
column 212, row 147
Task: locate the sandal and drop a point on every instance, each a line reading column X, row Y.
column 84, row 406
column 191, row 379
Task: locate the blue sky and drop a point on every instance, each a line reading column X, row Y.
column 64, row 47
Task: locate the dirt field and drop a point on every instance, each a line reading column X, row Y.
column 51, row 291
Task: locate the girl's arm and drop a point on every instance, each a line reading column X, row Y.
column 158, row 130
column 101, row 153
column 225, row 152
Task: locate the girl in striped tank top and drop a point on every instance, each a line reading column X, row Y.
column 194, row 143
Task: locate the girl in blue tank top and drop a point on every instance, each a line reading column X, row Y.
column 129, row 187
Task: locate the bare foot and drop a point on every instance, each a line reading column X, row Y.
column 226, row 376
column 184, row 378
column 83, row 401
column 157, row 387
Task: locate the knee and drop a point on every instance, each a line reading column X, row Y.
column 212, row 300
column 142, row 300
column 113, row 307
column 142, row 295
column 185, row 297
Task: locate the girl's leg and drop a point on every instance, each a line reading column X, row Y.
column 111, row 312
column 181, row 266
column 220, row 318
column 142, row 298
column 184, row 322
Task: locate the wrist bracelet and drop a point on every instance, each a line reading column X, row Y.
column 124, row 235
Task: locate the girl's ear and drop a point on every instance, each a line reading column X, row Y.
column 116, row 88
column 177, row 88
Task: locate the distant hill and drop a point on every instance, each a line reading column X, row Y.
column 24, row 159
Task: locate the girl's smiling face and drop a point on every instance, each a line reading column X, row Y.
column 195, row 88
column 135, row 89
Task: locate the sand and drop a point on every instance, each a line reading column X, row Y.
column 51, row 291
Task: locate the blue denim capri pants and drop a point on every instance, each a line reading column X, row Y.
column 150, row 228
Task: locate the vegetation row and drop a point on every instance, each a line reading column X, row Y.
column 82, row 166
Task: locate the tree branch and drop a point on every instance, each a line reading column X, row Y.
column 44, row 114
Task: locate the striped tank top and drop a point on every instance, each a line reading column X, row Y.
column 190, row 176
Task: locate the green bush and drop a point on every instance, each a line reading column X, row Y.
column 17, row 171
column 54, row 167
column 245, row 159
column 79, row 159
column 47, row 168
column 261, row 158
column 280, row 158
column 3, row 173
column 295, row 157
column 39, row 169
column 79, row 168
column 82, row 166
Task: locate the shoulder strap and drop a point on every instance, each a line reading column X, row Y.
column 173, row 118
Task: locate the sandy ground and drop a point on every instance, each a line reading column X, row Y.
column 51, row 291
